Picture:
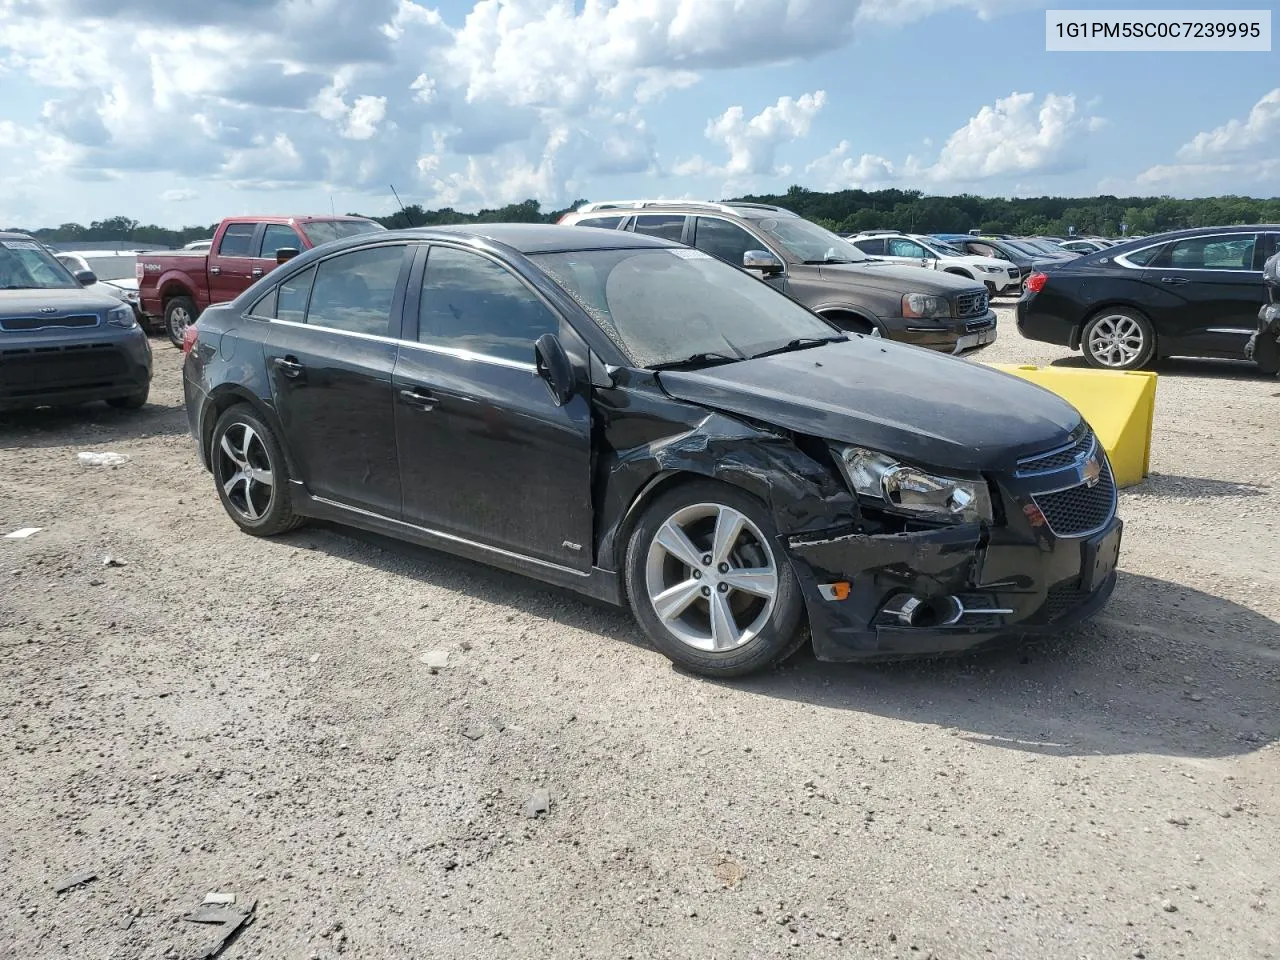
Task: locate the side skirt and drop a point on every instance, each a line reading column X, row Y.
column 596, row 583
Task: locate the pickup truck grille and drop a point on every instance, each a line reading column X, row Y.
column 971, row 304
column 19, row 324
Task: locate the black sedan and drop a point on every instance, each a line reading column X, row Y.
column 640, row 422
column 1193, row 293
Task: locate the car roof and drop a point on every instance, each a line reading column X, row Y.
column 14, row 235
column 529, row 238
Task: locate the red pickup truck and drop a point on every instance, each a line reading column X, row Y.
column 176, row 285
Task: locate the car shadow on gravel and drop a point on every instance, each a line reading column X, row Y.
column 88, row 424
column 1174, row 486
column 1164, row 669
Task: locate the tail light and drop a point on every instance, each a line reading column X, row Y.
column 189, row 337
column 1036, row 282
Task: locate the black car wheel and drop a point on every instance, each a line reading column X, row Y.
column 134, row 401
column 179, row 313
column 1118, row 339
column 708, row 583
column 248, row 468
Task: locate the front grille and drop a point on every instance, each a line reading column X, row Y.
column 1081, row 509
column 18, row 324
column 1057, row 459
column 971, row 304
column 43, row 369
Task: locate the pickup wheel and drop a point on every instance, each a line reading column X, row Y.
column 179, row 313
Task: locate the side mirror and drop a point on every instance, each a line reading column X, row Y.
column 86, row 278
column 761, row 260
column 554, row 367
column 285, row 254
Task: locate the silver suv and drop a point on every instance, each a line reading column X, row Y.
column 812, row 265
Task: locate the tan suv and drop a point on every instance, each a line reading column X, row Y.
column 815, row 267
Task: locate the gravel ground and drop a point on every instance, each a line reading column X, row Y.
column 225, row 713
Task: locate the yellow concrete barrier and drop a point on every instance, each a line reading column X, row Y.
column 1120, row 406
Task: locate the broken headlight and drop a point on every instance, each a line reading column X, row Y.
column 905, row 489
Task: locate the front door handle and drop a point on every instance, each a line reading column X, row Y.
column 1173, row 279
column 255, row 272
column 420, row 398
column 215, row 270
column 290, row 367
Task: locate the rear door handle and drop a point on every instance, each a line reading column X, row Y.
column 290, row 367
column 1173, row 279
column 215, row 270
column 420, row 398
column 255, row 272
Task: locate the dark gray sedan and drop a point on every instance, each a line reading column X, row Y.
column 60, row 343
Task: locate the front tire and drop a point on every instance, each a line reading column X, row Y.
column 709, row 584
column 179, row 313
column 134, row 401
column 1118, row 339
column 250, row 475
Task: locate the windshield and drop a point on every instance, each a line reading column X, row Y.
column 662, row 306
column 113, row 268
column 1024, row 247
column 25, row 265
column 323, row 231
column 1044, row 246
column 810, row 243
column 941, row 247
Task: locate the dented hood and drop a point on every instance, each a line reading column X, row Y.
column 906, row 401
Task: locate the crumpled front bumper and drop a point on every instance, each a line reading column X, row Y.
column 1007, row 585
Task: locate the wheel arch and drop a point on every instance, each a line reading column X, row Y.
column 222, row 399
column 1077, row 332
column 960, row 272
column 836, row 314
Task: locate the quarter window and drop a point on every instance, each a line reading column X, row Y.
column 277, row 235
column 471, row 303
column 354, row 291
column 294, row 293
column 607, row 223
column 237, row 240
column 1209, row 253
column 1142, row 258
column 874, row 246
column 724, row 240
column 266, row 305
column 669, row 226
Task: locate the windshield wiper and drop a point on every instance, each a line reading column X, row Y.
column 799, row 343
column 814, row 263
column 704, row 359
column 18, row 286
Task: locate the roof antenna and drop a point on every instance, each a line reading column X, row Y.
column 401, row 202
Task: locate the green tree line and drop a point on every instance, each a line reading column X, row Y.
column 845, row 211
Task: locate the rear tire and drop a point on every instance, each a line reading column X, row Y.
column 250, row 475
column 179, row 313
column 1118, row 338
column 707, row 554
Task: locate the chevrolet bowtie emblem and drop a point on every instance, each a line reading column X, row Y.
column 1092, row 471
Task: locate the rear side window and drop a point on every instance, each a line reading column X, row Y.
column 354, row 291
column 293, row 296
column 669, row 226
column 1209, row 253
column 607, row 223
column 236, row 240
column 471, row 303
column 982, row 250
column 873, row 246
column 277, row 235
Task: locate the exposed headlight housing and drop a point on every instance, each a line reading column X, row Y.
column 908, row 490
column 986, row 269
column 122, row 316
column 925, row 306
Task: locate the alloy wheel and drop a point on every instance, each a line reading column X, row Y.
column 711, row 577
column 1117, row 341
column 179, row 320
column 244, row 470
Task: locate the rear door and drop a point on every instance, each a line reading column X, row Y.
column 1212, row 288
column 232, row 260
column 273, row 237
column 331, row 354
column 485, row 454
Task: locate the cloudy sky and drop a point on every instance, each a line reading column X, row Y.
column 176, row 112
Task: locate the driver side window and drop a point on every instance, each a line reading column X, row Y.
column 898, row 247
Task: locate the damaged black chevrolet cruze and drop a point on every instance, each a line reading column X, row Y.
column 639, row 422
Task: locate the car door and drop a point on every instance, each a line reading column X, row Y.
column 231, row 264
column 1209, row 289
column 331, row 356
column 906, row 251
column 485, row 454
column 274, row 236
column 729, row 242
